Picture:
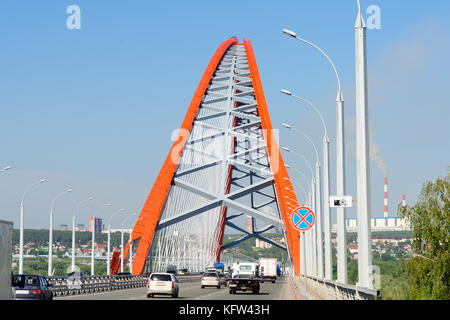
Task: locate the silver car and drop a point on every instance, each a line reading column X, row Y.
column 162, row 283
column 210, row 279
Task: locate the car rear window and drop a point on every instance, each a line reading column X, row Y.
column 29, row 280
column 161, row 277
column 210, row 274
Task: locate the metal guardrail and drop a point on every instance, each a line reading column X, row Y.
column 63, row 285
column 332, row 290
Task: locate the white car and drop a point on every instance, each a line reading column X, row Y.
column 210, row 279
column 162, row 283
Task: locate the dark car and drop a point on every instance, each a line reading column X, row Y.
column 172, row 269
column 32, row 287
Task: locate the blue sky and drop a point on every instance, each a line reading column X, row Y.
column 94, row 109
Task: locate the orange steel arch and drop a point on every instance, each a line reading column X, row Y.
column 276, row 160
column 145, row 227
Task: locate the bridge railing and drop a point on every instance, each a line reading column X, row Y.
column 63, row 285
column 332, row 290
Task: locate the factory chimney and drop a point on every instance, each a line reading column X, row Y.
column 385, row 198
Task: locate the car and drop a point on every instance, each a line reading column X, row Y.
column 210, row 279
column 223, row 279
column 172, row 269
column 184, row 272
column 162, row 283
column 32, row 287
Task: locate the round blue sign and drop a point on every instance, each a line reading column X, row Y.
column 303, row 219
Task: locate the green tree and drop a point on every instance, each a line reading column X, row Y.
column 429, row 267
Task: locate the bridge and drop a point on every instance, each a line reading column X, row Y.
column 224, row 164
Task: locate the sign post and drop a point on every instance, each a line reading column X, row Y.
column 303, row 219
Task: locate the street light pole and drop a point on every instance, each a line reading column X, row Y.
column 6, row 169
column 131, row 245
column 73, row 230
column 340, row 166
column 326, row 188
column 21, row 224
column 317, row 229
column 121, row 240
column 108, row 271
column 362, row 156
column 50, row 239
column 93, row 238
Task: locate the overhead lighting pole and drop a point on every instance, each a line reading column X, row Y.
column 73, row 230
column 326, row 189
column 313, row 250
column 50, row 238
column 21, row 224
column 340, row 165
column 317, row 229
column 362, row 156
column 6, row 169
column 108, row 271
column 121, row 241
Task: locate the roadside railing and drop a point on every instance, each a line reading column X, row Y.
column 63, row 285
column 332, row 290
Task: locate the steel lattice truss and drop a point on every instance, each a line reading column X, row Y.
column 223, row 172
column 226, row 137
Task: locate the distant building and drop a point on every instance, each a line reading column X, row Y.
column 249, row 224
column 80, row 227
column 378, row 224
column 63, row 227
column 262, row 244
column 97, row 223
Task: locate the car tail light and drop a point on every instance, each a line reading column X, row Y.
column 217, row 279
column 203, row 278
column 35, row 291
column 172, row 284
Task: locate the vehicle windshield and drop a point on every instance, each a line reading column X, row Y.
column 161, row 277
column 210, row 275
column 245, row 268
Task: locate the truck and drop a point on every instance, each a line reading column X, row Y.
column 268, row 267
column 6, row 288
column 245, row 276
column 219, row 267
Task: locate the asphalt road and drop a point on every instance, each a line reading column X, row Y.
column 281, row 290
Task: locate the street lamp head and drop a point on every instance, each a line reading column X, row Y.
column 108, row 204
column 91, row 198
column 42, row 180
column 69, row 190
column 287, row 166
column 7, row 168
column 288, row 93
column 286, row 149
column 286, row 126
column 290, row 33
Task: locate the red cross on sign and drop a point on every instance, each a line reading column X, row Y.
column 303, row 219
